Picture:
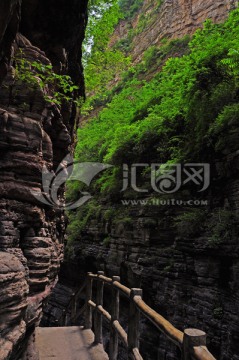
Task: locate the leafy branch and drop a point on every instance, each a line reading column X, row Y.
column 37, row 74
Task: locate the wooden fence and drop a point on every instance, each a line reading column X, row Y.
column 191, row 342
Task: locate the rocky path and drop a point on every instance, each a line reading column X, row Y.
column 68, row 343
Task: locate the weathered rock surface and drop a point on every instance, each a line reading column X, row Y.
column 13, row 301
column 171, row 19
column 33, row 133
column 54, row 311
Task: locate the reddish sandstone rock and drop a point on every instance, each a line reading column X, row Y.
column 33, row 134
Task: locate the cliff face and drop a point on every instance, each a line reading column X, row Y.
column 33, row 133
column 188, row 269
column 187, row 277
column 169, row 19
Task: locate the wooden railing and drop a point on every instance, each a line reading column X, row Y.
column 69, row 314
column 191, row 342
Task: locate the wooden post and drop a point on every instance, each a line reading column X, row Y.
column 98, row 316
column 88, row 311
column 73, row 310
column 64, row 318
column 134, row 318
column 114, row 341
column 192, row 337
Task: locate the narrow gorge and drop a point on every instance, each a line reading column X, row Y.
column 156, row 108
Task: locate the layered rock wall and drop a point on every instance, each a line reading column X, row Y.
column 190, row 276
column 33, row 133
column 170, row 19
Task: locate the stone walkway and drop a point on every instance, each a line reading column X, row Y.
column 68, row 343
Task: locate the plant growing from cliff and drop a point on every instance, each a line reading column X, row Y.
column 221, row 227
column 130, row 7
column 79, row 220
column 56, row 88
column 149, row 223
column 109, row 214
column 232, row 62
column 225, row 124
column 190, row 223
column 102, row 63
column 125, row 223
column 106, row 241
column 218, row 312
column 159, row 4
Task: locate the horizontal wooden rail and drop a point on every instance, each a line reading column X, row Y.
column 202, row 353
column 123, row 289
column 79, row 312
column 71, row 308
column 105, row 279
column 93, row 276
column 191, row 342
column 122, row 333
column 136, row 354
column 162, row 324
column 194, row 345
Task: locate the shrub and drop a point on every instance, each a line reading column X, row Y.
column 57, row 88
column 191, row 222
column 130, row 7
column 221, row 227
column 106, row 241
column 149, row 223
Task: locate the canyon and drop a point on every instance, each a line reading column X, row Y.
column 185, row 258
column 185, row 275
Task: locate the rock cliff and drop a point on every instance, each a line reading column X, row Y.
column 33, row 133
column 169, row 19
column 187, row 266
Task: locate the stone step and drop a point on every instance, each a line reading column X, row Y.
column 68, row 343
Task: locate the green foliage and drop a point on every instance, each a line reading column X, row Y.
column 221, row 129
column 176, row 113
column 220, row 227
column 149, row 223
column 57, row 88
column 218, row 312
column 106, row 241
column 143, row 22
column 232, row 61
column 125, row 223
column 108, row 214
column 130, row 7
column 78, row 220
column 169, row 267
column 191, row 222
column 159, row 4
column 189, row 104
column 155, row 55
column 102, row 63
column 123, row 44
